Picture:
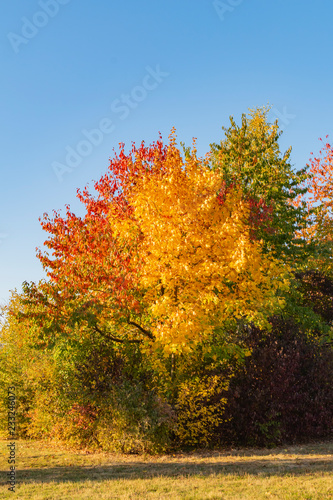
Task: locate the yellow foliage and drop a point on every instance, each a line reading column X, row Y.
column 199, row 264
column 200, row 409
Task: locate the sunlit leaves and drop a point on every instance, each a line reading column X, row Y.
column 165, row 251
column 199, row 262
column 250, row 157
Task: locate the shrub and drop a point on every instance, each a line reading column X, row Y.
column 283, row 392
column 199, row 410
column 317, row 291
column 103, row 399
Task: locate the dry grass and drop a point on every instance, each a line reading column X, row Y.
column 48, row 472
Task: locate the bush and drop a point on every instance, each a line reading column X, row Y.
column 264, row 389
column 317, row 292
column 30, row 372
column 284, row 391
column 103, row 399
column 199, row 410
column 127, row 420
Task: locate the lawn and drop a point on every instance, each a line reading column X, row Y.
column 291, row 472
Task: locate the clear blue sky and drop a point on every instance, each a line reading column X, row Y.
column 135, row 68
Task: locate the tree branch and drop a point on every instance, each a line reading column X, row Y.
column 143, row 330
column 115, row 339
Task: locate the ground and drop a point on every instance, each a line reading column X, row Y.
column 46, row 471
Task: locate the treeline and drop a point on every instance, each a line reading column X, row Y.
column 191, row 306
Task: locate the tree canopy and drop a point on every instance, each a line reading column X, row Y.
column 165, row 252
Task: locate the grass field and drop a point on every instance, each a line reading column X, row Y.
column 48, row 472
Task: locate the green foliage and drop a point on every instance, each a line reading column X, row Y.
column 81, row 379
column 250, row 156
column 24, row 367
column 317, row 293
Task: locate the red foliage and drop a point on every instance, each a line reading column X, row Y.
column 86, row 247
column 83, row 416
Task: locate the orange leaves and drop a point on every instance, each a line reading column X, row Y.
column 94, row 258
column 321, row 186
column 319, row 198
column 162, row 247
column 199, row 249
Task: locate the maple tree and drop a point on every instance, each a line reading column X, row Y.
column 163, row 253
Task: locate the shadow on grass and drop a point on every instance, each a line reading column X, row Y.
column 318, row 448
column 144, row 470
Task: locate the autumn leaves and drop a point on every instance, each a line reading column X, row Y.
column 187, row 285
column 167, row 248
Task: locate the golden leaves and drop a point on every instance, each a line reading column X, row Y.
column 200, row 250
